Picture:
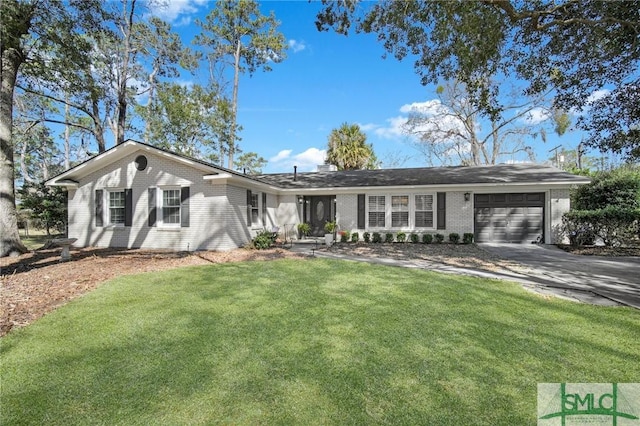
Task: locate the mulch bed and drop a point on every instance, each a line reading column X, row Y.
column 601, row 250
column 36, row 283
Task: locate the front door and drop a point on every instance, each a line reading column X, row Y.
column 320, row 213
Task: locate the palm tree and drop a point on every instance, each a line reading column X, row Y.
column 348, row 149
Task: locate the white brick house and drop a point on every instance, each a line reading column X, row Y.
column 138, row 196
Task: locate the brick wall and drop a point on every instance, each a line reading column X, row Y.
column 560, row 202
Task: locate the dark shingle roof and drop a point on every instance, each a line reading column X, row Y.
column 460, row 175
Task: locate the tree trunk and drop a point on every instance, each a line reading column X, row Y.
column 67, row 135
column 10, row 244
column 234, row 106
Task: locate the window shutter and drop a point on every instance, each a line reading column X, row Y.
column 128, row 207
column 184, row 207
column 442, row 210
column 361, row 211
column 248, row 207
column 98, row 208
column 153, row 209
column 264, row 209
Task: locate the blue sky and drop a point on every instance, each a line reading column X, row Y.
column 326, row 80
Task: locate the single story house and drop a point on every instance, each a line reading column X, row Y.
column 139, row 196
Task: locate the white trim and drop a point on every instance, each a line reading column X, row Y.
column 412, row 210
column 106, row 201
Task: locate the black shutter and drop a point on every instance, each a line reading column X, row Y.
column 248, row 207
column 184, row 207
column 128, row 207
column 442, row 210
column 153, row 210
column 264, row 209
column 98, row 208
column 361, row 210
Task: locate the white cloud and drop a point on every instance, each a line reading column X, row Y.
column 297, row 46
column 597, row 95
column 307, row 161
column 393, row 129
column 536, row 116
column 171, row 10
column 282, row 155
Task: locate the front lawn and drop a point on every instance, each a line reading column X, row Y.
column 307, row 342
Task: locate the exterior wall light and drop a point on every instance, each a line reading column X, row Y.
column 467, row 196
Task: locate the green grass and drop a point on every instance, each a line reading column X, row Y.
column 37, row 239
column 307, row 342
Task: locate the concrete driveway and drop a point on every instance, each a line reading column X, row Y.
column 587, row 278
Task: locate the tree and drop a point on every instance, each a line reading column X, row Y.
column 181, row 118
column 250, row 163
column 164, row 50
column 348, row 149
column 237, row 30
column 450, row 128
column 574, row 47
column 28, row 31
column 47, row 205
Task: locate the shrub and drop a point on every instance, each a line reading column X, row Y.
column 377, row 238
column 355, row 237
column 263, row 240
column 614, row 225
column 438, row 238
column 467, row 238
column 608, row 189
column 415, row 238
column 366, row 237
column 454, row 237
column 388, row 237
column 344, row 236
column 401, row 237
column 427, row 238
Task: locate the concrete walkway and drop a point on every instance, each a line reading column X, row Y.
column 543, row 269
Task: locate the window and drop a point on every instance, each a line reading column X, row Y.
column 116, row 207
column 171, row 206
column 255, row 217
column 424, row 211
column 399, row 211
column 376, row 211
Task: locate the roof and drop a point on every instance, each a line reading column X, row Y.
column 459, row 175
column 428, row 176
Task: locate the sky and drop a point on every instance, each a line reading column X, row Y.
column 327, row 79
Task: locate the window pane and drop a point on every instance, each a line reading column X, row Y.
column 116, row 207
column 171, row 206
column 171, row 214
column 376, row 219
column 377, row 211
column 424, row 202
column 424, row 219
column 400, row 203
column 399, row 219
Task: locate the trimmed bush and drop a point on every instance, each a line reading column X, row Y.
column 454, row 237
column 438, row 238
column 401, row 237
column 467, row 238
column 415, row 238
column 366, row 237
column 427, row 238
column 388, row 237
column 344, row 236
column 355, row 237
column 377, row 238
column 614, row 225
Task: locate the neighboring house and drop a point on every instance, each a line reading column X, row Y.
column 138, row 196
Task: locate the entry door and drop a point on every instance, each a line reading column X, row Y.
column 319, row 214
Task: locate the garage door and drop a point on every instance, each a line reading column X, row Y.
column 509, row 218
